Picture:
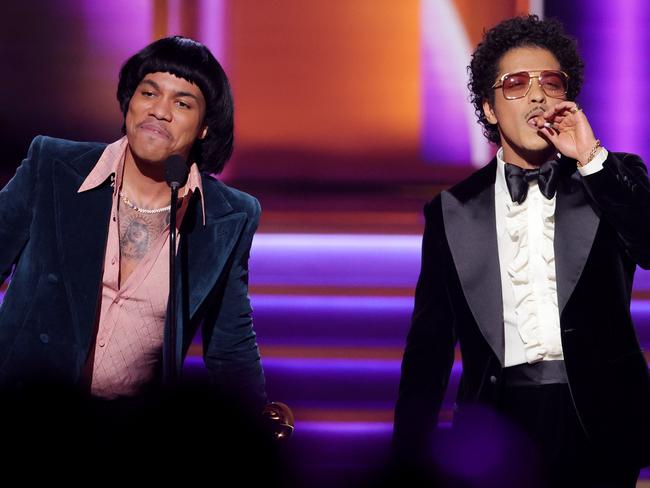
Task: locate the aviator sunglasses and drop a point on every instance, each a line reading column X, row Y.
column 517, row 85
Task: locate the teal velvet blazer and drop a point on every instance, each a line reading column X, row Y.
column 54, row 238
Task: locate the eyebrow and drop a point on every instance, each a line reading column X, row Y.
column 178, row 93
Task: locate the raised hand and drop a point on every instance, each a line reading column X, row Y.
column 567, row 128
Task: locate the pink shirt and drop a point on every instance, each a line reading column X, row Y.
column 131, row 321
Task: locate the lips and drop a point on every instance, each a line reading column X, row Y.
column 533, row 117
column 533, row 122
column 155, row 129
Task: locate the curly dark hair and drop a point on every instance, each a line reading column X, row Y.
column 523, row 31
column 192, row 61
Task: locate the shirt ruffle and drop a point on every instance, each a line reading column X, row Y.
column 539, row 341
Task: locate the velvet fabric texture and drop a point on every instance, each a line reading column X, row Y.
column 56, row 238
column 602, row 231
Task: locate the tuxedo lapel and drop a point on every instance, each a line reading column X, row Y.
column 81, row 233
column 576, row 224
column 470, row 228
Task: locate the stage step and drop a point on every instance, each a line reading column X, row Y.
column 358, row 320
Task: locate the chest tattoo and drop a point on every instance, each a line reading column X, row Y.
column 138, row 232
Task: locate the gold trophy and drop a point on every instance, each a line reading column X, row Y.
column 280, row 417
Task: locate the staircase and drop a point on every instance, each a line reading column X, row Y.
column 332, row 312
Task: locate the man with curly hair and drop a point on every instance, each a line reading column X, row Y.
column 85, row 227
column 528, row 265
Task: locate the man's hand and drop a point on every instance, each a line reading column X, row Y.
column 568, row 129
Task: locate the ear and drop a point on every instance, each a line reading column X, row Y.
column 203, row 133
column 488, row 110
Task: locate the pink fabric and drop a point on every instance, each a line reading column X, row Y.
column 128, row 345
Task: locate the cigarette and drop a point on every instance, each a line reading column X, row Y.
column 548, row 124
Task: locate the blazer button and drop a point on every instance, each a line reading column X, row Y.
column 493, row 380
column 44, row 338
column 52, row 278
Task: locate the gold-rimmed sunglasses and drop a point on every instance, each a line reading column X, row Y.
column 517, row 85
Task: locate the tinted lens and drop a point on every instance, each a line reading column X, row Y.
column 553, row 83
column 516, row 85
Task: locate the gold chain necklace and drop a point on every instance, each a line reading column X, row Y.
column 131, row 205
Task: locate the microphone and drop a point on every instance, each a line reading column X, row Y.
column 175, row 171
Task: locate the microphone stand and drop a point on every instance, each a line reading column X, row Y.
column 172, row 373
column 175, row 175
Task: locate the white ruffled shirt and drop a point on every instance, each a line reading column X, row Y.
column 525, row 235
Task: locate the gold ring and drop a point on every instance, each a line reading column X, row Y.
column 575, row 109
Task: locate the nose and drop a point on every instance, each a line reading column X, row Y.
column 536, row 94
column 161, row 109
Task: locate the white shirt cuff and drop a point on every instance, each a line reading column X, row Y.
column 595, row 165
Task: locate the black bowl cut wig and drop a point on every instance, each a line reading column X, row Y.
column 526, row 31
column 192, row 61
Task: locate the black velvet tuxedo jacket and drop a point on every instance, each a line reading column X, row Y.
column 56, row 239
column 602, row 231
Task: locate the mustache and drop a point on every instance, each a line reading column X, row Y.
column 540, row 109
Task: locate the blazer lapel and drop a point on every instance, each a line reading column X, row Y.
column 202, row 256
column 81, row 233
column 470, row 227
column 576, row 224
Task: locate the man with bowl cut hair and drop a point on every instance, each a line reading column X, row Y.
column 85, row 228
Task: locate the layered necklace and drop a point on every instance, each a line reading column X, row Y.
column 133, row 206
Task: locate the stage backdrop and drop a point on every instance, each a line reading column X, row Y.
column 327, row 91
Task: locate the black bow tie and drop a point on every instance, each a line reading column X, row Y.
column 547, row 176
